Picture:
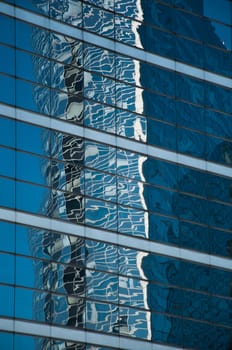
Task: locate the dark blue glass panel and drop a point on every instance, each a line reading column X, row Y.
column 189, row 89
column 37, row 139
column 158, row 200
column 159, row 107
column 221, row 36
column 161, row 135
column 190, row 116
column 7, row 193
column 165, row 299
column 158, row 42
column 189, row 25
column 33, row 6
column 190, row 208
column 28, row 36
column 7, row 93
column 195, row 237
column 7, row 131
column 166, row 329
column 159, row 80
column 221, row 282
column 163, row 229
column 162, row 269
column 198, row 335
column 190, row 5
column 196, row 306
column 160, row 15
column 7, row 236
column 221, row 243
column 220, row 311
column 7, row 65
column 7, row 272
column 219, row 188
column 7, row 36
column 220, row 10
column 219, row 98
column 218, row 124
column 7, row 164
column 67, row 12
column 189, row 52
column 191, row 143
column 196, row 277
column 219, row 151
column 192, row 181
column 218, row 61
column 6, row 307
column 220, row 215
column 160, row 173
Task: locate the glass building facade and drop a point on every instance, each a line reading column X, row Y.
column 115, row 174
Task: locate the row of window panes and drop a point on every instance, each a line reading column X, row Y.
column 109, row 318
column 162, row 43
column 78, row 252
column 79, row 282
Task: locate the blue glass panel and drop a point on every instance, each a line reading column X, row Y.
column 32, row 6
column 67, row 12
column 98, row 21
column 190, row 116
column 7, row 65
column 7, row 94
column 26, row 342
column 7, row 165
column 196, row 306
column 7, row 132
column 220, row 311
column 189, row 25
column 32, row 198
column 99, row 88
column 28, row 36
column 131, row 125
column 101, row 286
column 37, row 172
column 34, row 68
column 189, row 52
column 158, row 200
column 132, row 222
column 221, row 37
column 100, row 185
column 7, row 339
column 100, row 214
column 219, row 151
column 165, row 299
column 129, row 97
column 7, row 304
column 133, row 323
column 7, row 193
column 99, row 60
column 99, row 116
column 190, row 5
column 195, row 276
column 189, row 89
column 221, row 243
column 161, row 135
column 100, row 156
column 159, row 80
column 195, row 237
column 221, row 282
column 220, row 215
column 159, row 107
column 191, row 143
column 218, row 124
column 126, row 9
column 106, row 316
column 129, row 193
column 127, row 31
column 219, row 188
column 218, row 61
column 192, row 181
column 166, row 329
column 220, row 9
column 7, row 36
column 159, row 42
column 7, row 236
column 32, row 138
column 160, row 15
column 33, row 97
column 101, row 256
column 190, row 208
column 218, row 98
column 163, row 229
column 7, row 262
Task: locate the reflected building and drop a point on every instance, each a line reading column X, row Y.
column 116, row 203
